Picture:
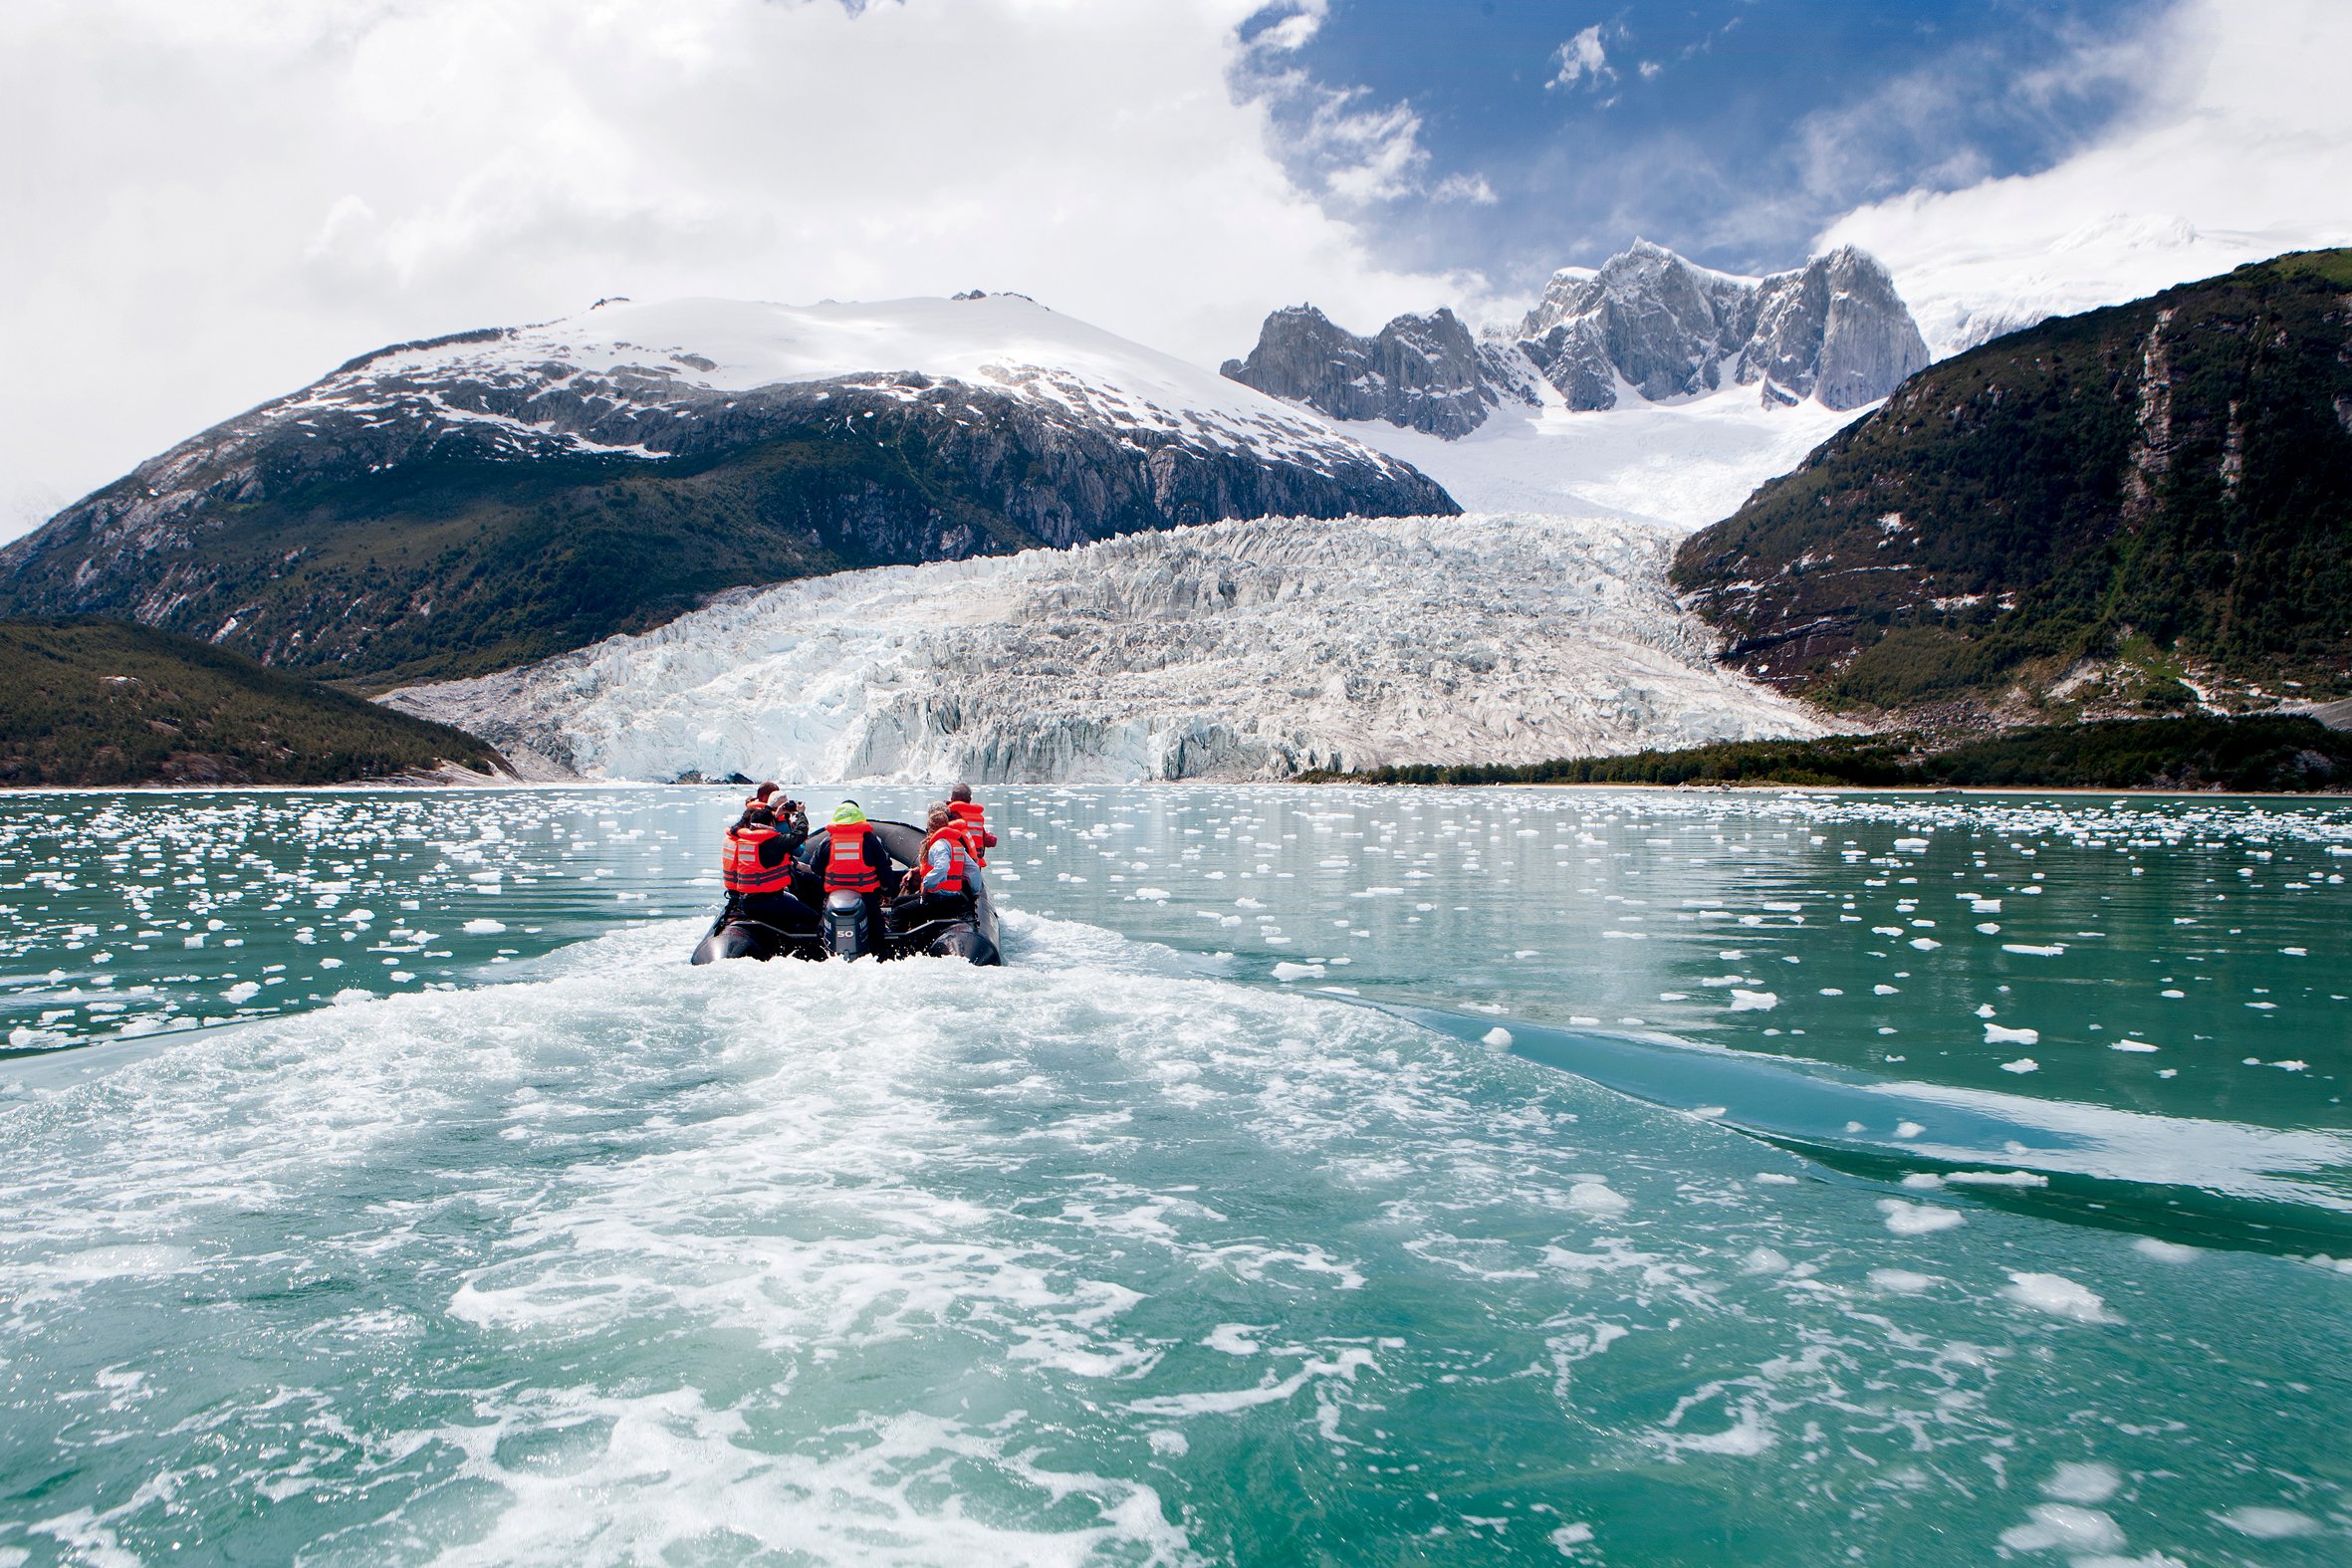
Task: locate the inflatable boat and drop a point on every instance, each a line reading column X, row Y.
column 835, row 926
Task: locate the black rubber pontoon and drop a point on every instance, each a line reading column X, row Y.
column 970, row 935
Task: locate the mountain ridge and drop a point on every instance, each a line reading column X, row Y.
column 1647, row 324
column 487, row 496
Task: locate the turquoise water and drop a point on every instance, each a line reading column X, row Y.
column 1331, row 1176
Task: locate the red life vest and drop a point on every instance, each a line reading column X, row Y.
column 740, row 868
column 976, row 836
column 846, row 868
column 957, row 879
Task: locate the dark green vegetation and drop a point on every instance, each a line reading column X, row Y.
column 99, row 702
column 2158, row 488
column 383, row 529
column 2261, row 754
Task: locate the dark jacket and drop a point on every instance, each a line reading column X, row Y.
column 791, row 830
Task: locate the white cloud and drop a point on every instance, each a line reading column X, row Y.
column 1582, row 59
column 2240, row 148
column 211, row 204
column 1472, row 188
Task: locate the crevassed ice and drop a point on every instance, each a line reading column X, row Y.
column 1238, row 649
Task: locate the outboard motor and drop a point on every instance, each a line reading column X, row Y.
column 845, row 935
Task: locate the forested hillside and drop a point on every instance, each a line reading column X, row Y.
column 100, row 702
column 2076, row 516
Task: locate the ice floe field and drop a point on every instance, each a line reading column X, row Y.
column 1479, row 1176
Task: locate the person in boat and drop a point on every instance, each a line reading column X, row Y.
column 856, row 862
column 939, row 885
column 977, row 838
column 757, row 864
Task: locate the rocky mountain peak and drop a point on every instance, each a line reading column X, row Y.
column 1647, row 324
column 1425, row 372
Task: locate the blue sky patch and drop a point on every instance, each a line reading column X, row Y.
column 1518, row 135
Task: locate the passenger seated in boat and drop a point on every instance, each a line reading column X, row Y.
column 977, row 838
column 939, row 886
column 757, row 862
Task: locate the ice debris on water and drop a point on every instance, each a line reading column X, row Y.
column 1498, row 1036
column 1907, row 1219
column 2056, row 1295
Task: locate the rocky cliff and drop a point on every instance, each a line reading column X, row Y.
column 1423, row 372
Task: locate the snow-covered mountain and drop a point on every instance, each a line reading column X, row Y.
column 1240, row 649
column 1649, row 389
column 492, row 496
column 1651, row 324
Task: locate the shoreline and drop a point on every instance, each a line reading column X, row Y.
column 540, row 786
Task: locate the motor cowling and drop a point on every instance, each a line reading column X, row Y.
column 846, row 933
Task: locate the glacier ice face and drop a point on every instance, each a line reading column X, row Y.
column 1232, row 651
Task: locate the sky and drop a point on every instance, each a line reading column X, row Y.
column 209, row 205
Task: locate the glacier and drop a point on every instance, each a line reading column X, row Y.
column 1242, row 649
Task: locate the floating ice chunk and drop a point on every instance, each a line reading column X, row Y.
column 1498, row 1036
column 1775, row 1179
column 243, row 990
column 1569, row 1536
column 483, row 928
column 2164, row 1252
column 1597, row 1197
column 195, row 941
column 2270, row 1524
column 1904, row 1218
column 1885, row 990
column 1909, row 846
column 1754, row 1001
column 1285, row 971
column 2030, row 950
column 2062, row 1527
column 2022, row 1064
column 1926, row 943
column 2058, row 1296
column 1998, row 1035
column 1157, row 895
column 1901, row 1281
column 2141, row 1046
column 2082, row 1483
column 1908, row 1129
column 1990, row 928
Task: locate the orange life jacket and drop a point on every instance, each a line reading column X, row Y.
column 957, row 879
column 740, row 868
column 976, row 834
column 846, row 868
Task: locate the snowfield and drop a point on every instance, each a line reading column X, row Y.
column 659, row 365
column 1244, row 649
column 1685, row 463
